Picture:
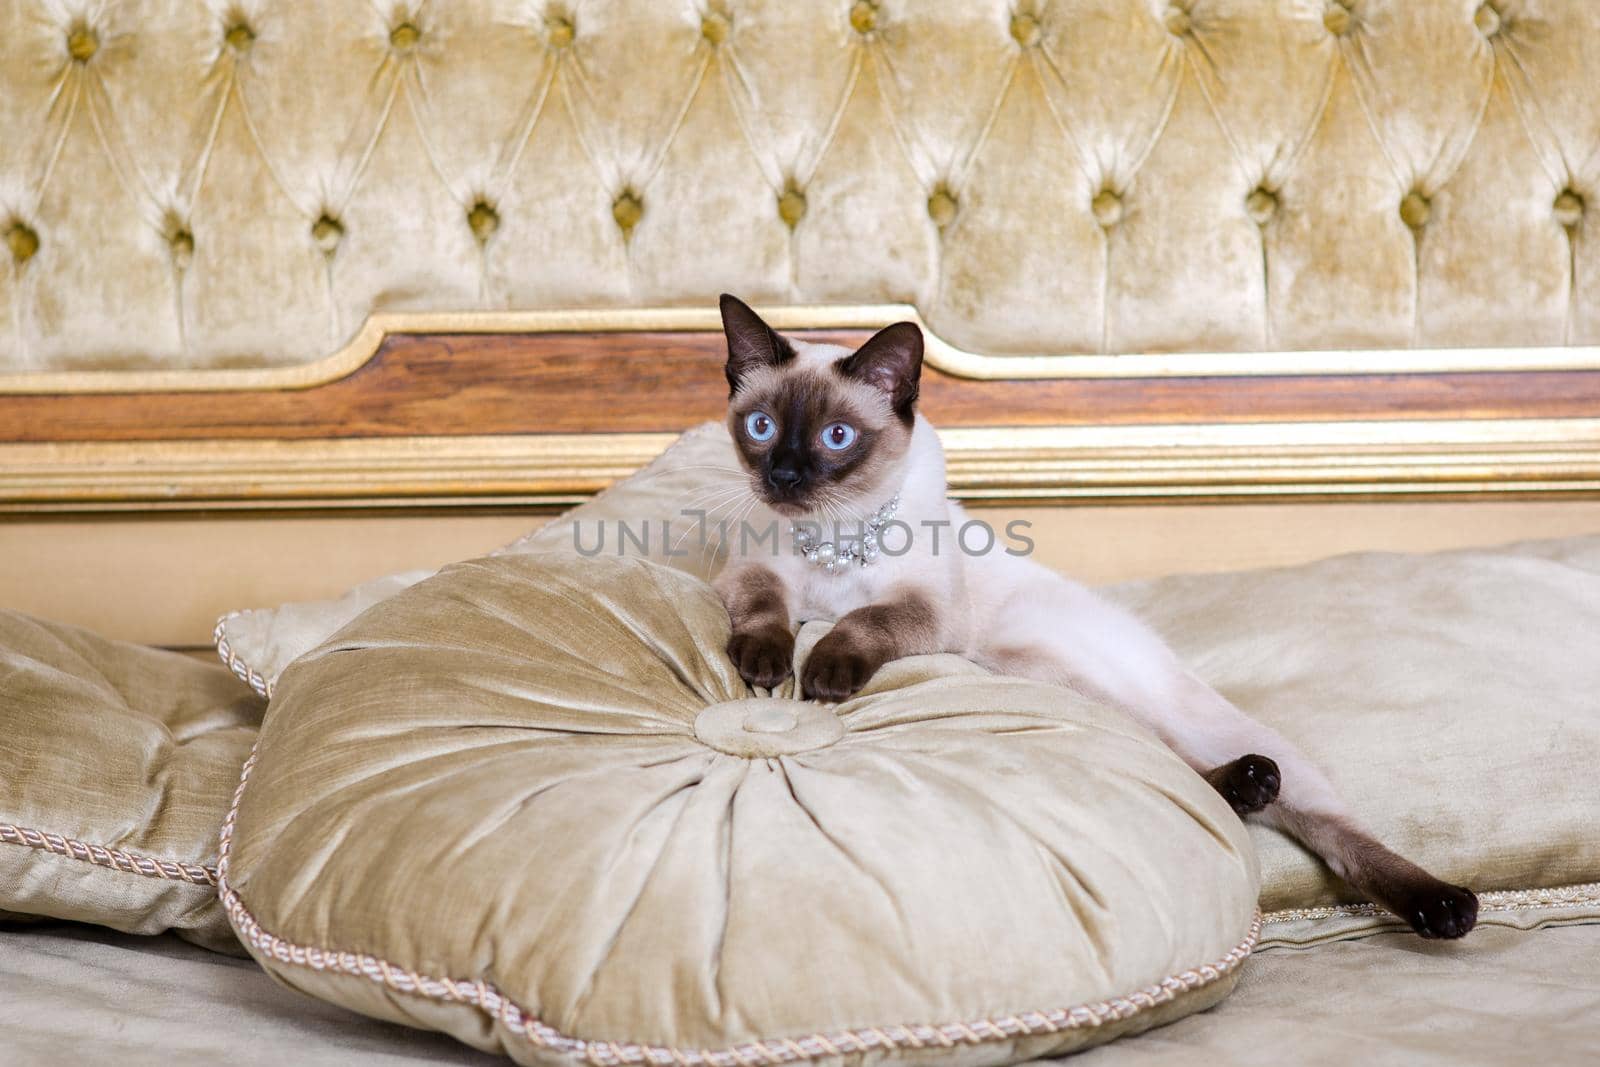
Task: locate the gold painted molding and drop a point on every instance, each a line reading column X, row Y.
column 941, row 354
column 1089, row 464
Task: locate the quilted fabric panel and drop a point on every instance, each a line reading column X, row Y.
column 193, row 183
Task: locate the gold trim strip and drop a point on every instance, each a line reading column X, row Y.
column 1580, row 894
column 1099, row 464
column 941, row 354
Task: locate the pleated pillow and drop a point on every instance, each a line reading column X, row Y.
column 117, row 764
column 530, row 803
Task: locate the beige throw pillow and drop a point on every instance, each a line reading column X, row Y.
column 1454, row 699
column 116, row 769
column 258, row 643
column 528, row 802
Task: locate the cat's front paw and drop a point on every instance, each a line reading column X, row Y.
column 834, row 672
column 1248, row 784
column 763, row 657
column 1439, row 910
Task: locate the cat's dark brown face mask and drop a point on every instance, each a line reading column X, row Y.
column 817, row 432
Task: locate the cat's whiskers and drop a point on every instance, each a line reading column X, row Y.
column 703, row 484
column 834, row 514
column 646, row 476
column 705, row 496
column 735, row 522
column 695, row 507
column 705, row 520
column 839, row 513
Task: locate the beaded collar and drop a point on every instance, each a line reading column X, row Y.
column 834, row 557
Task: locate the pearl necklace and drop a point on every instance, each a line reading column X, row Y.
column 835, row 557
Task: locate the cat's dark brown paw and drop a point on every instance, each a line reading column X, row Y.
column 1248, row 784
column 763, row 657
column 835, row 674
column 1439, row 910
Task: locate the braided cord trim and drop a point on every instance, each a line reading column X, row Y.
column 1564, row 896
column 111, row 858
column 241, row 670
column 769, row 1053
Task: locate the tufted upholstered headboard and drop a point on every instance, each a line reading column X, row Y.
column 227, row 183
column 268, row 258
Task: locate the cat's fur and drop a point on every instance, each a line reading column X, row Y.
column 1003, row 611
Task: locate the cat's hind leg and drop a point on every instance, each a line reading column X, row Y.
column 1278, row 785
column 1056, row 631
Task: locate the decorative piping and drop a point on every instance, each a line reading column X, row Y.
column 242, row 670
column 113, row 858
column 1493, row 900
column 769, row 1053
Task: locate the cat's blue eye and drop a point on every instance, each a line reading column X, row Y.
column 759, row 425
column 838, row 435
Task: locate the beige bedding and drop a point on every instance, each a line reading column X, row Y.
column 1502, row 996
column 1506, row 995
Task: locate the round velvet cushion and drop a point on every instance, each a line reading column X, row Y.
column 529, row 802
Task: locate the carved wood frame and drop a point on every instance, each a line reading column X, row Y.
column 548, row 407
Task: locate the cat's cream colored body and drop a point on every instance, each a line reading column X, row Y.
column 1018, row 617
column 999, row 609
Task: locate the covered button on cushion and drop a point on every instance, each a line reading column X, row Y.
column 529, row 802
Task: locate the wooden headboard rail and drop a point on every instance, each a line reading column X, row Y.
column 444, row 411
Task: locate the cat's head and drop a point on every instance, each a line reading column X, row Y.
column 819, row 426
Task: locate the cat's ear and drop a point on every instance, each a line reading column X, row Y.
column 891, row 360
column 751, row 342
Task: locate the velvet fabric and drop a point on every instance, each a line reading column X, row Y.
column 1452, row 698
column 117, row 763
column 529, row 802
column 191, row 183
column 1433, row 688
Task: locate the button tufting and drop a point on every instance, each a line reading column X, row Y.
column 769, row 717
column 483, row 220
column 240, row 37
column 1025, row 30
column 627, row 209
column 942, row 206
column 767, row 727
column 1261, row 205
column 1568, row 208
column 327, row 232
column 1337, row 19
column 1177, row 20
column 791, row 206
column 1107, row 208
column 404, row 37
column 714, row 28
column 181, row 244
column 22, row 242
column 1415, row 210
column 558, row 30
column 82, row 43
column 1487, row 19
column 864, row 16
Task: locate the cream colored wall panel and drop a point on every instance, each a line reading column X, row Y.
column 165, row 580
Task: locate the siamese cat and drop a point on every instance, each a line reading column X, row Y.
column 831, row 441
